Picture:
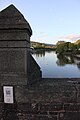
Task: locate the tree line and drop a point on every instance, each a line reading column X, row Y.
column 67, row 47
column 44, row 46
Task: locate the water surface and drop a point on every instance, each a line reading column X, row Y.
column 57, row 66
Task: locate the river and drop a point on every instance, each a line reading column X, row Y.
column 57, row 66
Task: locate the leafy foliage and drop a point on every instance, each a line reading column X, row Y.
column 66, row 47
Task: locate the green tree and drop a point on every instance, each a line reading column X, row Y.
column 72, row 47
column 66, row 46
column 60, row 48
column 78, row 46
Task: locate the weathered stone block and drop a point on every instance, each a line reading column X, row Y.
column 15, row 33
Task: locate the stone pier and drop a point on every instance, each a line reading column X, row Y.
column 17, row 66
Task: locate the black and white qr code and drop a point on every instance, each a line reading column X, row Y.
column 8, row 92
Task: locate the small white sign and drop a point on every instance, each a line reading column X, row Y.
column 8, row 94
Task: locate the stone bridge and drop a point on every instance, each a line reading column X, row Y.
column 34, row 97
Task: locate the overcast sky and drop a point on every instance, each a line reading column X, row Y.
column 50, row 20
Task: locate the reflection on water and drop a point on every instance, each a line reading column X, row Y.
column 62, row 60
column 40, row 54
column 53, row 65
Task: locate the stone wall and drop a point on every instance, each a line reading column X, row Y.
column 49, row 99
column 34, row 70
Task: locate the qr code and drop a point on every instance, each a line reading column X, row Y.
column 8, row 92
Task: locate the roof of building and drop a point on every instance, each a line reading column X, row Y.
column 11, row 18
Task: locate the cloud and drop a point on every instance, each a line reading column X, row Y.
column 72, row 37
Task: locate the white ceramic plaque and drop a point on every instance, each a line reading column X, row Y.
column 8, row 94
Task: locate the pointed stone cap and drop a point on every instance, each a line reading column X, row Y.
column 11, row 18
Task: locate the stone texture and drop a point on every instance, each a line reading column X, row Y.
column 15, row 56
column 11, row 18
column 44, row 100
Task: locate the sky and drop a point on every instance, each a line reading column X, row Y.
column 51, row 20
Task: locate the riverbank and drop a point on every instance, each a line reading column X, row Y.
column 44, row 49
column 54, row 49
